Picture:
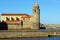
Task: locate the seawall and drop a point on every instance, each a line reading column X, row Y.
column 30, row 33
column 22, row 34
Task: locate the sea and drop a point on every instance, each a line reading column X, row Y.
column 46, row 38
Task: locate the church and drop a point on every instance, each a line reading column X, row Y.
column 23, row 20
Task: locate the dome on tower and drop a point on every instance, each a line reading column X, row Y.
column 36, row 5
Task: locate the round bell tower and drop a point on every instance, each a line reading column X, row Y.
column 36, row 16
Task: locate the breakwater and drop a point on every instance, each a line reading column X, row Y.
column 30, row 33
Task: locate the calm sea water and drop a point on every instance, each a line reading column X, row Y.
column 49, row 38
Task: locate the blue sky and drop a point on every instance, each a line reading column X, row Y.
column 49, row 14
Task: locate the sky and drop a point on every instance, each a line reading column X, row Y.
column 49, row 9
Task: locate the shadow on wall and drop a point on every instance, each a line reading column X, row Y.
column 3, row 26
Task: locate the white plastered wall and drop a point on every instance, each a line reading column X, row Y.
column 4, row 17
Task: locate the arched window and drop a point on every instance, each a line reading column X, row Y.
column 22, row 23
column 17, row 18
column 3, row 21
column 12, row 18
column 7, row 18
column 34, row 10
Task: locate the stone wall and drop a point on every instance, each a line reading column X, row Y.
column 27, row 23
column 14, row 27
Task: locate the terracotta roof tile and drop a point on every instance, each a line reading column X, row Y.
column 22, row 15
column 15, row 15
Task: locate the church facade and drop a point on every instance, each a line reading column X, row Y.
column 20, row 21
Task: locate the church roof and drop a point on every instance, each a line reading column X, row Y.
column 22, row 15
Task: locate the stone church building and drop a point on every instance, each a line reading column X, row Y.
column 20, row 21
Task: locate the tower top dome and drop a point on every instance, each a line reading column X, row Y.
column 36, row 5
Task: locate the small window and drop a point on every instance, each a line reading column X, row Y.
column 7, row 18
column 17, row 18
column 12, row 18
column 34, row 10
